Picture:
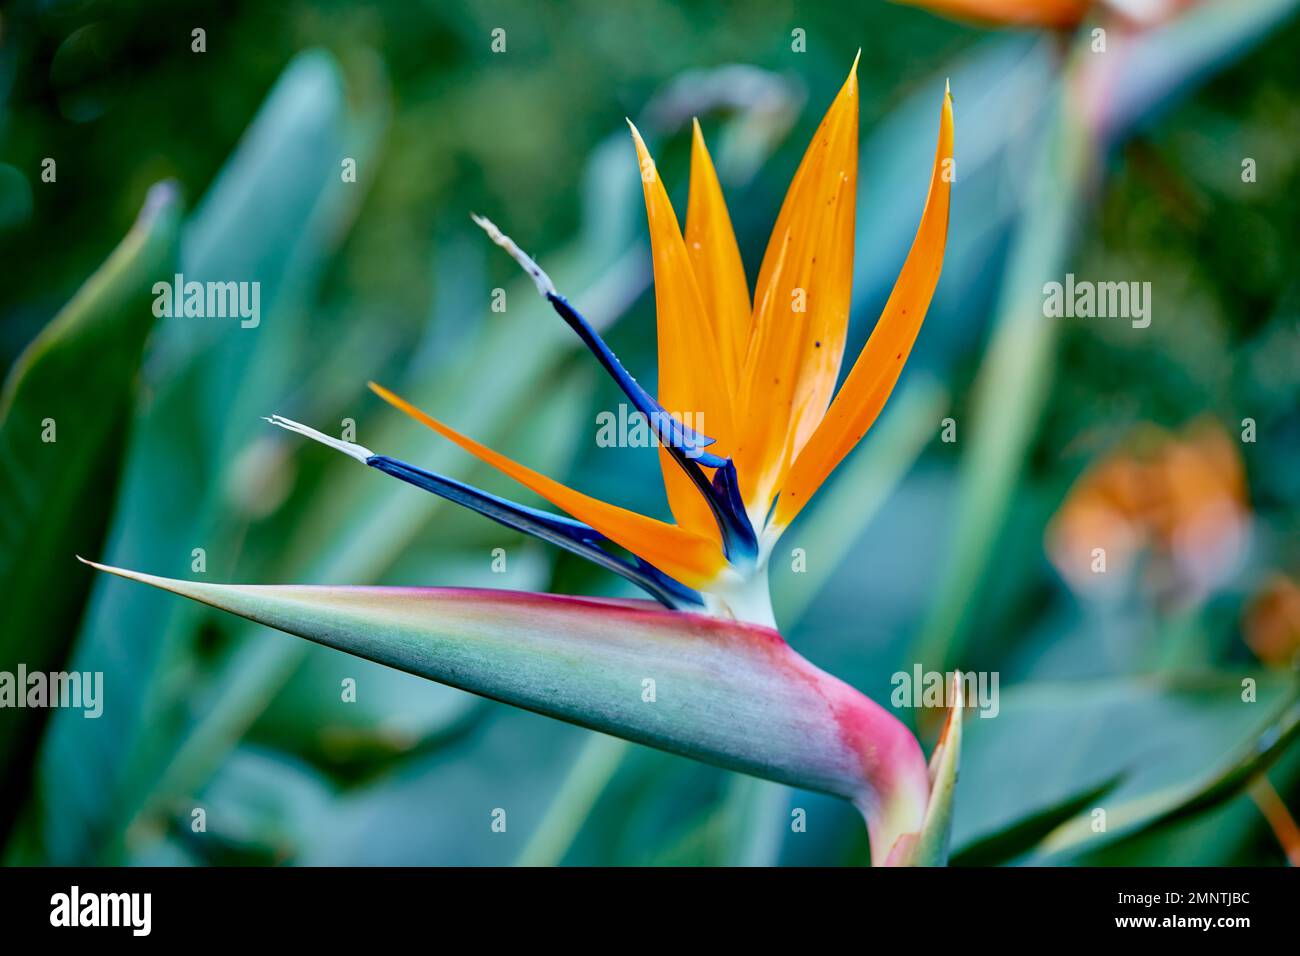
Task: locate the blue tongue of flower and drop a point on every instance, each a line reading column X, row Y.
column 670, row 432
column 739, row 541
column 559, row 530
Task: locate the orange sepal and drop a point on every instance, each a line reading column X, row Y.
column 690, row 558
column 874, row 374
column 801, row 305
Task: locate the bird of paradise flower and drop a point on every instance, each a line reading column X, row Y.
column 729, row 690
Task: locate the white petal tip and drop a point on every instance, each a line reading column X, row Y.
column 351, row 449
column 535, row 272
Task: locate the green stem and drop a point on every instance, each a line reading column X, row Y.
column 587, row 779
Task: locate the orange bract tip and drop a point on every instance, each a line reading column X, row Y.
column 715, row 259
column 801, row 306
column 695, row 381
column 874, row 374
column 636, row 138
column 690, row 558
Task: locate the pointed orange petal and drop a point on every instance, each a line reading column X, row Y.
column 801, row 306
column 719, row 272
column 693, row 379
column 872, row 378
column 690, row 558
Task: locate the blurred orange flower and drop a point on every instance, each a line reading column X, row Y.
column 1180, row 499
column 1060, row 14
column 1051, row 14
column 1272, row 621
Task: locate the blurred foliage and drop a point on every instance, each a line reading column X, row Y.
column 1106, row 703
column 59, row 494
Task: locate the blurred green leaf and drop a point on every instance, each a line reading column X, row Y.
column 1095, row 102
column 262, row 808
column 440, row 804
column 862, row 485
column 1131, row 742
column 64, row 413
column 581, row 788
column 1012, row 382
column 1017, row 839
column 271, row 217
column 1181, row 802
column 1151, row 67
column 392, row 714
column 1233, row 833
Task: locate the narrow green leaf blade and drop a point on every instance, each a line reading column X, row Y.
column 936, row 832
column 1174, row 804
column 1142, row 746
